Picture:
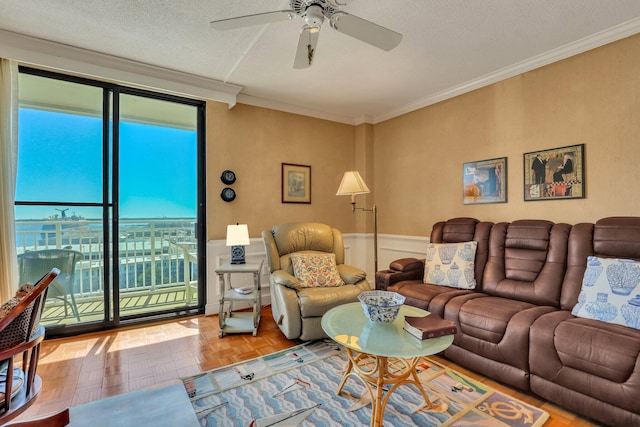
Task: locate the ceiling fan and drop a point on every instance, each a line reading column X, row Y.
column 314, row 13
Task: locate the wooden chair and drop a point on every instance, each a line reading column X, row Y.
column 59, row 419
column 21, row 335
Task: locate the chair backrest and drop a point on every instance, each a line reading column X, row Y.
column 22, row 322
column 284, row 239
column 32, row 265
column 527, row 261
column 59, row 419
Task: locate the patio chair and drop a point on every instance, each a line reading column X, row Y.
column 33, row 264
column 21, row 335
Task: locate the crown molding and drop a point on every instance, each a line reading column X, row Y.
column 43, row 53
column 593, row 41
column 294, row 109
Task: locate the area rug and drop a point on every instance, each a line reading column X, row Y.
column 299, row 386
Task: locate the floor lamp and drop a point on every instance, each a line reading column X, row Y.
column 351, row 185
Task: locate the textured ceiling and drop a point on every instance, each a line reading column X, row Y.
column 449, row 46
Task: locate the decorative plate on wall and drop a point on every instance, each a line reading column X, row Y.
column 228, row 177
column 228, row 194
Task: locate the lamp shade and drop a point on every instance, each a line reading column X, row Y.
column 352, row 184
column 238, row 235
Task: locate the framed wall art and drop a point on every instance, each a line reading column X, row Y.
column 554, row 174
column 485, row 181
column 296, row 183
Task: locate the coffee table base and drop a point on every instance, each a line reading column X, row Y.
column 377, row 371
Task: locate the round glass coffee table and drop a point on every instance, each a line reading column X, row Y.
column 380, row 353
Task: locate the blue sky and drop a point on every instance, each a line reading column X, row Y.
column 60, row 159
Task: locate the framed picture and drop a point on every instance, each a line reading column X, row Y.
column 296, row 183
column 554, row 174
column 485, row 181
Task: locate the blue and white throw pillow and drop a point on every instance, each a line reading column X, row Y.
column 451, row 264
column 610, row 292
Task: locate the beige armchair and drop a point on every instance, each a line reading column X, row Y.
column 298, row 305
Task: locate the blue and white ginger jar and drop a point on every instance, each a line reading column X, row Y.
column 600, row 309
column 631, row 312
column 623, row 277
column 594, row 269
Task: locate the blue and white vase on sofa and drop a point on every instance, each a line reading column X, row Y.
column 600, row 309
column 594, row 269
column 454, row 274
column 469, row 273
column 466, row 253
column 631, row 312
column 436, row 276
column 582, row 298
column 431, row 251
column 447, row 252
column 623, row 276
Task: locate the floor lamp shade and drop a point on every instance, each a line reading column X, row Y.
column 237, row 238
column 352, row 184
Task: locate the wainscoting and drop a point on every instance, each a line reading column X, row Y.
column 358, row 252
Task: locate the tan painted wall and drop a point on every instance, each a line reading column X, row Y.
column 591, row 99
column 253, row 142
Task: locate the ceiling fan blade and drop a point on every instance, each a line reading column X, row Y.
column 366, row 31
column 249, row 20
column 306, row 47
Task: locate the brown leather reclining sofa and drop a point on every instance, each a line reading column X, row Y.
column 516, row 325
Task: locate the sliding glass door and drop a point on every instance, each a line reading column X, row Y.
column 157, row 209
column 110, row 190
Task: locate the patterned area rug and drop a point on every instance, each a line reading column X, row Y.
column 298, row 386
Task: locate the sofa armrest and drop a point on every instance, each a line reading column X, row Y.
column 351, row 275
column 281, row 277
column 401, row 269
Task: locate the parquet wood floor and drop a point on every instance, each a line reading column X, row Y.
column 88, row 367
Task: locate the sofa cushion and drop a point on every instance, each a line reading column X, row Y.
column 316, row 270
column 451, row 264
column 610, row 292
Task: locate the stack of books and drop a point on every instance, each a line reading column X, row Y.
column 244, row 290
column 427, row 327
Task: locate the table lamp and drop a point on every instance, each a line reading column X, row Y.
column 237, row 238
column 352, row 184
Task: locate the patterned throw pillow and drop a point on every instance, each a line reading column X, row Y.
column 316, row 270
column 10, row 304
column 451, row 264
column 610, row 292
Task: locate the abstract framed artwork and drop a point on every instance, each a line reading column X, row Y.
column 485, row 181
column 554, row 174
column 296, row 183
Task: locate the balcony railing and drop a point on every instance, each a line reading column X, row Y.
column 153, row 254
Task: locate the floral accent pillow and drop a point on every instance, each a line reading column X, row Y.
column 316, row 270
column 451, row 264
column 610, row 292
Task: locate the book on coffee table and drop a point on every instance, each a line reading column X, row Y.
column 431, row 326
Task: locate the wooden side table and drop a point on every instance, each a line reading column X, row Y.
column 242, row 321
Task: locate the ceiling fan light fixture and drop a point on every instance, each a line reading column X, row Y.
column 314, row 16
